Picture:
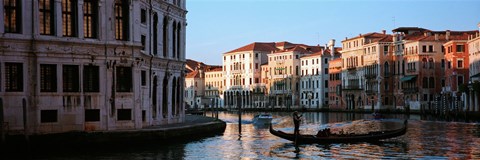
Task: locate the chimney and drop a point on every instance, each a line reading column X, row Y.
column 447, row 34
column 331, row 46
column 383, row 31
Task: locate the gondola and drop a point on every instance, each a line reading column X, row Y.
column 370, row 137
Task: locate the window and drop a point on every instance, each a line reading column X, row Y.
column 124, row 79
column 326, row 61
column 48, row 116
column 326, row 83
column 46, row 17
column 144, row 78
column 443, row 63
column 385, row 49
column 459, row 63
column 143, row 16
column 165, row 35
column 142, row 40
column 48, row 78
column 90, row 79
column 71, row 82
column 430, row 48
column 431, row 82
column 256, row 55
column 124, row 114
column 460, row 48
column 90, row 13
column 121, row 20
column 13, row 77
column 449, row 65
column 459, row 80
column 12, row 16
column 425, row 82
column 69, row 24
column 424, row 48
column 92, row 115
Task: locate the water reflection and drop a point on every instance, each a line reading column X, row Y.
column 424, row 139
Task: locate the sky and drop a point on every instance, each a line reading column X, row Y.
column 218, row 26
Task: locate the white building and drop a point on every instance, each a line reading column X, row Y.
column 473, row 99
column 91, row 64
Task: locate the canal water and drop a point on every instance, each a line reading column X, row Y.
column 425, row 139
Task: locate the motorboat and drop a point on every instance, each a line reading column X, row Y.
column 262, row 119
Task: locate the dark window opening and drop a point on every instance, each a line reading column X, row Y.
column 165, row 34
column 144, row 78
column 92, row 115
column 143, row 16
column 124, row 79
column 71, row 82
column 13, row 77
column 90, row 79
column 48, row 78
column 144, row 116
column 124, row 114
column 48, row 116
column 143, row 41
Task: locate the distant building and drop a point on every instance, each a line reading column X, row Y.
column 335, row 100
column 195, row 88
column 94, row 65
column 214, row 86
column 284, row 72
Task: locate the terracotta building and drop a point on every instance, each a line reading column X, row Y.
column 335, row 100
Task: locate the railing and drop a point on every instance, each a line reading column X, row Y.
column 370, row 76
column 410, row 90
column 351, row 88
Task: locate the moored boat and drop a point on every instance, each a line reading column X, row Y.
column 344, row 138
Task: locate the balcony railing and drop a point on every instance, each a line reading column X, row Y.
column 351, row 88
column 370, row 76
column 410, row 90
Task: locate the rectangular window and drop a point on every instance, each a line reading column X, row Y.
column 12, row 16
column 71, row 82
column 48, row 116
column 459, row 80
column 13, row 77
column 443, row 63
column 142, row 40
column 144, row 78
column 92, row 115
column 449, row 65
column 124, row 79
column 385, row 49
column 143, row 16
column 69, row 24
column 124, row 114
column 46, row 19
column 90, row 79
column 121, row 20
column 430, row 48
column 90, row 13
column 424, row 48
column 48, row 78
column 460, row 63
column 326, row 84
column 256, row 55
column 460, row 48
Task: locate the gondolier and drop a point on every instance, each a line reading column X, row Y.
column 296, row 122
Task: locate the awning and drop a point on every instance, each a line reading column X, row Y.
column 475, row 76
column 407, row 78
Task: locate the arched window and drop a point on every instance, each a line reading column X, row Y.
column 424, row 62
column 179, row 36
column 154, row 97
column 174, row 39
column 155, row 33
column 425, row 82
column 430, row 63
column 431, row 82
column 174, row 89
column 165, row 96
column 165, row 35
column 386, row 69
